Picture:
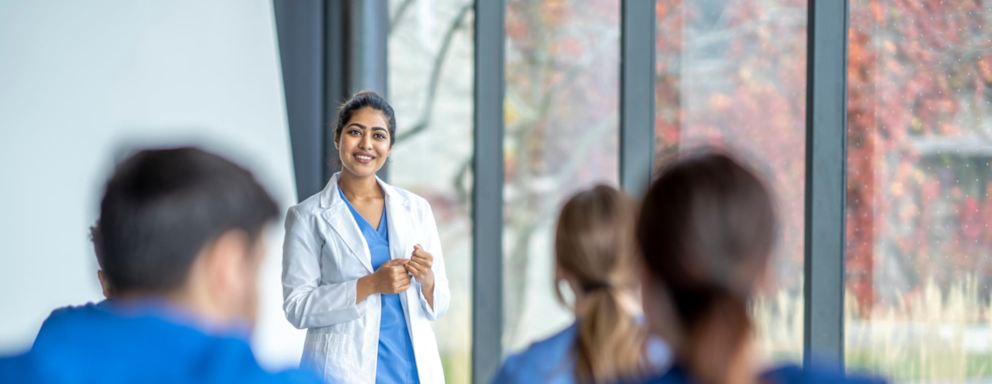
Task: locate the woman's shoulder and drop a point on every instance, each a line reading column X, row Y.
column 546, row 360
column 815, row 374
column 308, row 207
column 560, row 342
column 407, row 198
column 784, row 374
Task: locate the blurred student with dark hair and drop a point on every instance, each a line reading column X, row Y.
column 594, row 257
column 179, row 242
column 706, row 231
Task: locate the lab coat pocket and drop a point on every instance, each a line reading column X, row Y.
column 315, row 352
column 342, row 352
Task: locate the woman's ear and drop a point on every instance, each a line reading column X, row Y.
column 228, row 275
column 104, row 283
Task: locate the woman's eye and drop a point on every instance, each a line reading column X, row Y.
column 379, row 136
column 354, row 132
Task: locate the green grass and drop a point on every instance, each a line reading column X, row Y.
column 915, row 366
column 457, row 367
column 936, row 334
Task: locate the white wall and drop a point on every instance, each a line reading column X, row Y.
column 82, row 82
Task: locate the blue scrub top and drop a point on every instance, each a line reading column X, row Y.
column 396, row 362
column 552, row 360
column 785, row 374
column 146, row 341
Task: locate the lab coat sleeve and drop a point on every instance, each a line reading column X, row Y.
column 307, row 303
column 442, row 296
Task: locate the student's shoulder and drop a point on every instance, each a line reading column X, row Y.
column 232, row 360
column 783, row 374
column 68, row 315
column 560, row 342
column 18, row 369
column 816, row 374
column 73, row 310
column 540, row 360
column 290, row 376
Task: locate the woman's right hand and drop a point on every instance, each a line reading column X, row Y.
column 391, row 277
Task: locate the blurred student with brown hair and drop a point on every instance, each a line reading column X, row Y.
column 706, row 231
column 593, row 256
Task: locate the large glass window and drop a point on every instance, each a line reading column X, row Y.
column 732, row 74
column 561, row 110
column 430, row 87
column 919, row 242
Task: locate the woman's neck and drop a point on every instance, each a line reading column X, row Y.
column 355, row 187
column 709, row 353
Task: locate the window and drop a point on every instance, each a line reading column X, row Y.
column 732, row 74
column 918, row 265
column 430, row 87
column 561, row 135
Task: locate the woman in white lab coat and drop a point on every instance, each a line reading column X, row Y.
column 363, row 270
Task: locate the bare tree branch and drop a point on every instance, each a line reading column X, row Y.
column 400, row 11
column 432, row 84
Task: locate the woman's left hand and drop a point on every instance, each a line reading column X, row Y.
column 420, row 265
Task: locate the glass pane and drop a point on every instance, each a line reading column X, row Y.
column 430, row 87
column 562, row 74
column 918, row 265
column 732, row 74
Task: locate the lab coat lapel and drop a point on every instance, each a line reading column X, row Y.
column 398, row 220
column 400, row 225
column 340, row 219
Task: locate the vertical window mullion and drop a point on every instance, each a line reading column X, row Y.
column 826, row 139
column 487, row 191
column 637, row 74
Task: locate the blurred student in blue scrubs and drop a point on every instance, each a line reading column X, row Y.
column 706, row 231
column 594, row 257
column 180, row 239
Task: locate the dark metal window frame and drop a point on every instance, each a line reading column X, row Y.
column 329, row 49
column 826, row 159
column 637, row 73
column 300, row 29
column 487, row 191
column 310, row 107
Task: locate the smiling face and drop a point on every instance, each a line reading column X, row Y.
column 363, row 143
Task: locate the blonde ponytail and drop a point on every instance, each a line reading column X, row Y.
column 609, row 339
column 592, row 248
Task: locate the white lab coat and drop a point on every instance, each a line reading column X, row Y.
column 325, row 254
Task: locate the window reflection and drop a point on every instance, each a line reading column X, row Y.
column 732, row 74
column 430, row 88
column 918, row 266
column 561, row 110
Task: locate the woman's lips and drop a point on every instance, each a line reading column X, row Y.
column 363, row 159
